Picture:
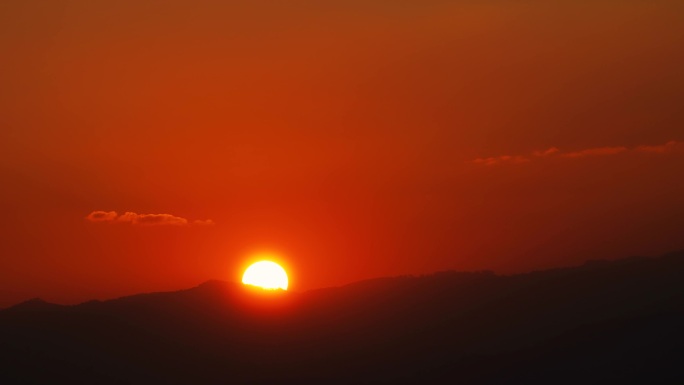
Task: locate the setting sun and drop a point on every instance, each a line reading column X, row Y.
column 266, row 275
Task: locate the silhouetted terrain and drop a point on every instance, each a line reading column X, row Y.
column 603, row 322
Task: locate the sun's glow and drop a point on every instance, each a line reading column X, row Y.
column 266, row 275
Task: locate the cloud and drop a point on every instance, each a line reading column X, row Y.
column 143, row 219
column 598, row 151
column 501, row 159
column 102, row 216
column 668, row 147
column 207, row 222
column 152, row 219
column 548, row 152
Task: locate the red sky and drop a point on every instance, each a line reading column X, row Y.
column 353, row 138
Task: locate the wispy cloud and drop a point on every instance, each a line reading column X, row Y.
column 668, row 147
column 143, row 219
column 501, row 159
column 206, row 222
column 548, row 152
column 598, row 151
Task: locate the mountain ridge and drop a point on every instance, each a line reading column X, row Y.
column 598, row 322
column 39, row 303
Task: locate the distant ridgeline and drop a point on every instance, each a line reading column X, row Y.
column 603, row 322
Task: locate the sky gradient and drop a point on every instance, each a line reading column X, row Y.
column 153, row 145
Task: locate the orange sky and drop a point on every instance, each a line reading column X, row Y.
column 354, row 138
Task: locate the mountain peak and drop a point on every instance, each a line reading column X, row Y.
column 34, row 304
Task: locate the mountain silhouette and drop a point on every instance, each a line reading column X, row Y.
column 34, row 304
column 602, row 322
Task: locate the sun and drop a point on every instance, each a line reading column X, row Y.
column 266, row 275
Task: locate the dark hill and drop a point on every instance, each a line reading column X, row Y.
column 34, row 304
column 602, row 322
